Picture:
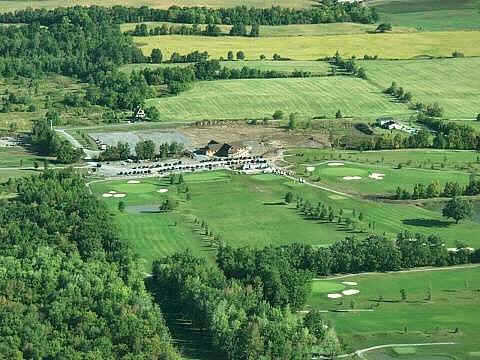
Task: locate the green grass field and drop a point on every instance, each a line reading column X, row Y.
column 430, row 15
column 256, row 98
column 453, row 83
column 248, row 210
column 454, row 304
column 388, row 46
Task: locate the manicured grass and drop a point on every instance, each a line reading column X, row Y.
column 7, row 174
column 12, row 156
column 455, row 304
column 323, row 287
column 256, row 98
column 249, row 211
column 430, row 15
column 453, row 83
column 404, row 350
column 315, row 67
column 389, row 46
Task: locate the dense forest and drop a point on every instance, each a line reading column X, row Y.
column 329, row 11
column 69, row 288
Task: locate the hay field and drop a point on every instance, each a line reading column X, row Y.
column 12, row 5
column 453, row 83
column 388, row 46
column 257, row 98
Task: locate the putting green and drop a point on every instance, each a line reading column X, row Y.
column 342, row 171
column 336, row 197
column 207, row 177
column 407, row 350
column 134, row 188
column 321, row 287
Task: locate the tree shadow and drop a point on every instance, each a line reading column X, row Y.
column 427, row 223
column 270, row 203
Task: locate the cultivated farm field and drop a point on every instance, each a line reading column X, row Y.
column 454, row 303
column 453, row 83
column 388, row 46
column 256, row 98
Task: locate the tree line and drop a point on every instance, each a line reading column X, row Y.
column 330, row 11
column 145, row 150
column 69, row 287
column 238, row 29
column 434, row 189
column 446, row 135
column 47, row 142
column 430, row 110
column 349, row 66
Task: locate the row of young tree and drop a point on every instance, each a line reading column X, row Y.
column 330, row 11
column 238, row 29
column 434, row 189
column 347, row 65
column 144, row 150
column 430, row 110
column 69, row 287
column 234, row 313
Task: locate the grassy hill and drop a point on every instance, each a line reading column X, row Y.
column 453, row 83
column 389, row 46
column 256, row 98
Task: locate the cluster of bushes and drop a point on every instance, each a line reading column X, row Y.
column 431, row 110
column 193, row 57
column 69, row 286
column 46, row 142
column 349, row 66
column 14, row 102
column 451, row 189
column 142, row 30
column 398, row 92
column 329, row 12
column 242, row 325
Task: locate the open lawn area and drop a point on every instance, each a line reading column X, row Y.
column 454, row 304
column 453, row 83
column 257, row 98
column 249, row 210
column 430, row 15
column 388, row 46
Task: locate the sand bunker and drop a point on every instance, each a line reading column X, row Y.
column 112, row 192
column 107, row 195
column 352, row 178
column 310, row 168
column 350, row 292
column 349, row 283
column 133, row 182
column 119, row 195
column 162, row 190
column 336, row 197
column 335, row 164
column 334, row 296
column 376, row 176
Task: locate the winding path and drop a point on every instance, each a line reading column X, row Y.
column 89, row 154
column 360, row 353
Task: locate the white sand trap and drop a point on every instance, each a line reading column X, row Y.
column 133, row 182
column 335, row 164
column 334, row 296
column 310, row 168
column 350, row 292
column 112, row 192
column 119, row 195
column 376, row 176
column 107, row 195
column 162, row 190
column 352, row 178
column 349, row 283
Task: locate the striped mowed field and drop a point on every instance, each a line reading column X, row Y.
column 453, row 83
column 388, row 46
column 255, row 98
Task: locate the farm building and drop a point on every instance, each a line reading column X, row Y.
column 214, row 148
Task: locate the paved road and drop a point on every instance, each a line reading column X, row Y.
column 360, row 353
column 89, row 154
